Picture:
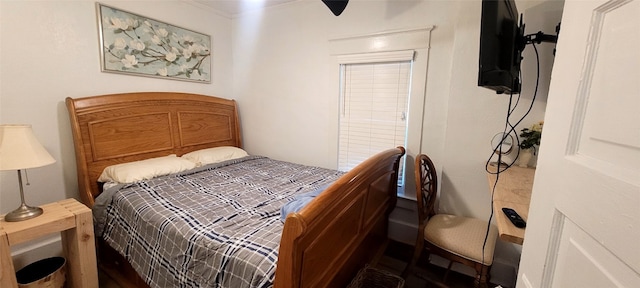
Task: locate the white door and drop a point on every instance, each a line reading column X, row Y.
column 584, row 221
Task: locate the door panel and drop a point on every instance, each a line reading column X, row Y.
column 609, row 89
column 584, row 219
column 580, row 254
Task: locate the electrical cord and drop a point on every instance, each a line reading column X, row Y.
column 511, row 128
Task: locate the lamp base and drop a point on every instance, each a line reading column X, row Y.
column 23, row 213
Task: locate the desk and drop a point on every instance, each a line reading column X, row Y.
column 68, row 217
column 513, row 191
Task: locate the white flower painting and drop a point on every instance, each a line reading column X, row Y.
column 137, row 45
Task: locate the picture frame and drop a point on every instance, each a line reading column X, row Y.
column 138, row 45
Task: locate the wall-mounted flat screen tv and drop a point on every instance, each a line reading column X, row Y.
column 500, row 36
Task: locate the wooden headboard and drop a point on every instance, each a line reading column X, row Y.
column 118, row 128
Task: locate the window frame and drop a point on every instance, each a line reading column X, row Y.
column 364, row 47
column 350, row 103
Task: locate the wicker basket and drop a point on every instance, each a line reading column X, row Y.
column 45, row 273
column 374, row 278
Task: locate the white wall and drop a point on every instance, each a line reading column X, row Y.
column 49, row 51
column 283, row 53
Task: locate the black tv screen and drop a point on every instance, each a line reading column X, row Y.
column 499, row 66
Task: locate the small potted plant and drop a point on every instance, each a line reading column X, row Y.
column 530, row 138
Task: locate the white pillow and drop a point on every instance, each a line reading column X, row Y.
column 145, row 169
column 215, row 155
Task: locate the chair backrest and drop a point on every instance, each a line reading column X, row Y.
column 426, row 188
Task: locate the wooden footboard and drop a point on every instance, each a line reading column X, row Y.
column 329, row 240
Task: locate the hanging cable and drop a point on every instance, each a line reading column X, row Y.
column 508, row 129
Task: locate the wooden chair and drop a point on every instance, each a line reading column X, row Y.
column 458, row 239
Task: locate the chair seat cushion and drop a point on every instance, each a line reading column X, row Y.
column 462, row 236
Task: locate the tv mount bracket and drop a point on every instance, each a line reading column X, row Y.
column 537, row 38
column 541, row 37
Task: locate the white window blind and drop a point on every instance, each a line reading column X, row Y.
column 373, row 112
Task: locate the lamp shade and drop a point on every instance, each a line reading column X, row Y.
column 19, row 148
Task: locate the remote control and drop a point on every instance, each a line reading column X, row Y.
column 514, row 217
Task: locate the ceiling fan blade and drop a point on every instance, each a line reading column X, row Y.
column 336, row 6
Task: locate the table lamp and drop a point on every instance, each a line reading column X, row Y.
column 19, row 149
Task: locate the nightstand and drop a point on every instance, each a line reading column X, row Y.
column 68, row 217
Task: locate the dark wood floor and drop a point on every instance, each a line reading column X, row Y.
column 393, row 261
column 426, row 275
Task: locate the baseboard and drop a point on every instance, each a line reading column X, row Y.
column 402, row 232
column 503, row 274
column 403, row 222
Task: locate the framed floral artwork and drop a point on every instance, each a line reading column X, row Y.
column 138, row 45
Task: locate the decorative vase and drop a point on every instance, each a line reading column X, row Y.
column 525, row 157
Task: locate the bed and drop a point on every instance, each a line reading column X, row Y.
column 322, row 245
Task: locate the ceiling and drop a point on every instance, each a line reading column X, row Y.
column 235, row 7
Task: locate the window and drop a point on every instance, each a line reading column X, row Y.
column 373, row 113
column 374, row 98
column 381, row 79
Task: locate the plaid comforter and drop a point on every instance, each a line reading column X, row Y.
column 216, row 226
